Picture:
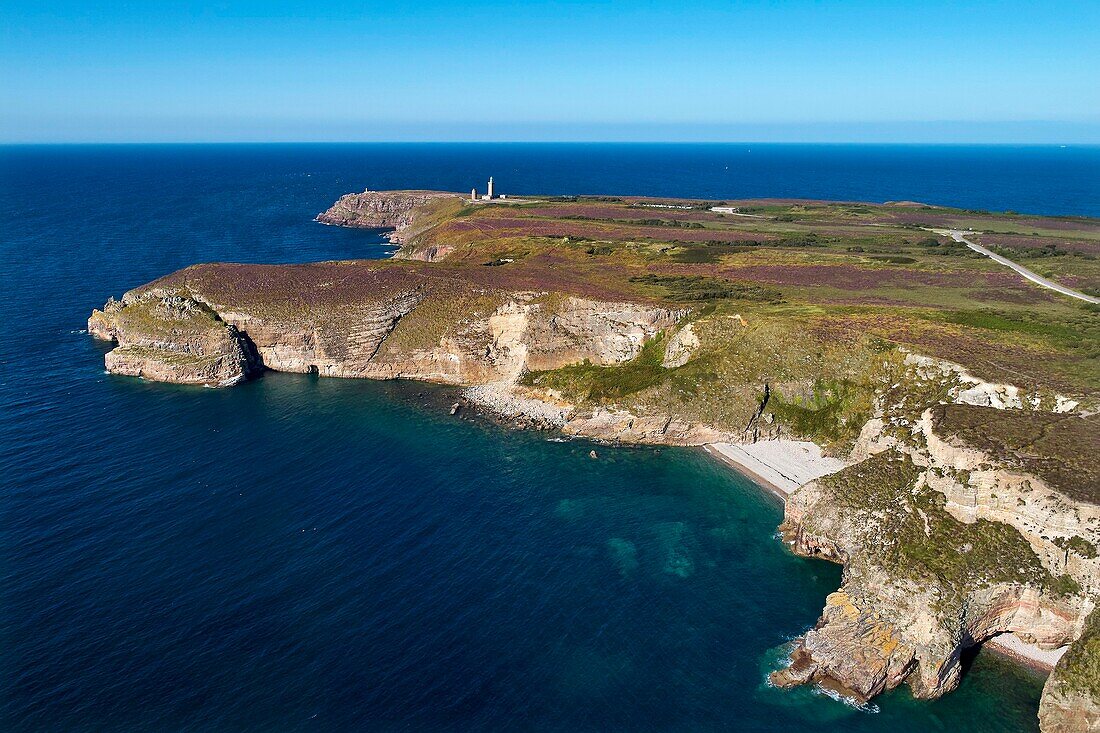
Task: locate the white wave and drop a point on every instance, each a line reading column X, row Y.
column 863, row 707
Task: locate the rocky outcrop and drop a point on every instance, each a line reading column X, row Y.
column 945, row 542
column 1049, row 503
column 954, row 522
column 944, row 546
column 190, row 328
column 966, row 389
column 681, row 347
column 382, row 209
column 172, row 338
column 1071, row 696
column 852, row 650
column 621, row 426
column 538, row 336
column 346, row 348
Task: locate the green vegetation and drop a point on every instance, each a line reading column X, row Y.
column 833, row 413
column 1079, row 670
column 439, row 314
column 906, row 530
column 178, row 359
column 697, row 287
column 1078, row 545
column 1081, row 333
column 709, row 253
column 593, row 383
column 813, row 292
column 1063, row 450
column 819, row 392
column 177, row 316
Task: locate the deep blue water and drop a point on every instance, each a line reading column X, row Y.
column 304, row 554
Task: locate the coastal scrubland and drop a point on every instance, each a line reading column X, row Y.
column 871, row 269
column 963, row 398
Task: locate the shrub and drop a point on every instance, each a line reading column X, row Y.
column 699, row 287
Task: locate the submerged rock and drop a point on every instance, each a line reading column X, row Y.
column 955, row 523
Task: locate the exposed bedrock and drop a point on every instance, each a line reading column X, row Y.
column 1071, row 696
column 360, row 322
column 954, row 523
column 938, row 558
column 620, row 426
column 382, row 209
column 170, row 338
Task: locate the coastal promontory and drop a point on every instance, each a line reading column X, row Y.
column 958, row 400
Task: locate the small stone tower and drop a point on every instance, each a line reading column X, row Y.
column 473, row 194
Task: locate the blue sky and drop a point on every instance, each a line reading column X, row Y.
column 796, row 70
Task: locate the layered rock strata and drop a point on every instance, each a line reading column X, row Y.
column 172, row 338
column 394, row 210
column 1071, row 696
column 190, row 328
column 968, row 508
column 944, row 545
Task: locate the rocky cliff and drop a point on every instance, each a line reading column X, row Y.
column 1071, row 696
column 359, row 321
column 969, row 507
column 172, row 338
column 948, row 537
column 396, row 210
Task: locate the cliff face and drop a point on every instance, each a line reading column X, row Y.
column 170, row 338
column 944, row 545
column 1071, row 696
column 969, row 508
column 621, row 426
column 395, row 210
column 189, row 328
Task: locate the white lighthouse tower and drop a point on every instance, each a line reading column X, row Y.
column 489, row 192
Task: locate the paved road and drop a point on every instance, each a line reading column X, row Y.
column 960, row 236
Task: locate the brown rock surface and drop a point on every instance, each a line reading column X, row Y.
column 920, row 585
column 382, row 209
column 1071, row 696
column 172, row 338
column 202, row 324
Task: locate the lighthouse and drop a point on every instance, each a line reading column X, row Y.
column 489, row 192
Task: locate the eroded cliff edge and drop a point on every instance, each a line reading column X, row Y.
column 404, row 213
column 218, row 324
column 969, row 507
column 1071, row 696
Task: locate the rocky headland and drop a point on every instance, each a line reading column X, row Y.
column 967, row 500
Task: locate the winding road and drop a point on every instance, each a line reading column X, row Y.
column 960, row 236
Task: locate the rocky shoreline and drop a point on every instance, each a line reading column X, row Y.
column 770, row 464
column 964, row 510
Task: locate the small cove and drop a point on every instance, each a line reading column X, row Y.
column 323, row 554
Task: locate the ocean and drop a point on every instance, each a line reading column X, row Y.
column 328, row 555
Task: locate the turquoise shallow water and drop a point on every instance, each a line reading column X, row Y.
column 303, row 553
column 311, row 554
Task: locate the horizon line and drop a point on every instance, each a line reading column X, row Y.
column 954, row 143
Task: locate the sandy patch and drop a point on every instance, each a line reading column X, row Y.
column 782, row 465
column 1012, row 646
